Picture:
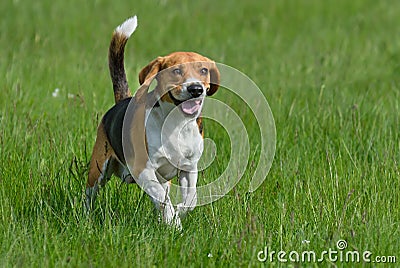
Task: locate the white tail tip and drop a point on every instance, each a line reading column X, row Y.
column 127, row 27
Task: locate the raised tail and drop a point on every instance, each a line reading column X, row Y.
column 116, row 58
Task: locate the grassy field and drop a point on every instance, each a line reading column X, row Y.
column 329, row 69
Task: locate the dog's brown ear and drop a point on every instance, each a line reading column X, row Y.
column 150, row 70
column 214, row 80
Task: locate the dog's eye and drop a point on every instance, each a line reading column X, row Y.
column 177, row 71
column 204, row 71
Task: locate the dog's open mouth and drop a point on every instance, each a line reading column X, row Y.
column 191, row 106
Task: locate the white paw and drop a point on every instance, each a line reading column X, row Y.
column 171, row 218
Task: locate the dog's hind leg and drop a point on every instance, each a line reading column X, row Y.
column 102, row 166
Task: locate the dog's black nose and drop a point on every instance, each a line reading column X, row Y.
column 195, row 90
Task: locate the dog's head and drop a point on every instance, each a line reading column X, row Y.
column 183, row 79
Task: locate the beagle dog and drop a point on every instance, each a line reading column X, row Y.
column 156, row 135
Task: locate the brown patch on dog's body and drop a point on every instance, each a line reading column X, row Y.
column 102, row 153
column 199, row 122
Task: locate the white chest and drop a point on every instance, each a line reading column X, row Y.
column 174, row 143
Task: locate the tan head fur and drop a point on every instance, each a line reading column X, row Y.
column 177, row 67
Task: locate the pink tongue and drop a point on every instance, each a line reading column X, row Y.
column 191, row 106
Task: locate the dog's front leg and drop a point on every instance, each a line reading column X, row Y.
column 160, row 196
column 187, row 182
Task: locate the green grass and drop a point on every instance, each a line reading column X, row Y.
column 329, row 69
